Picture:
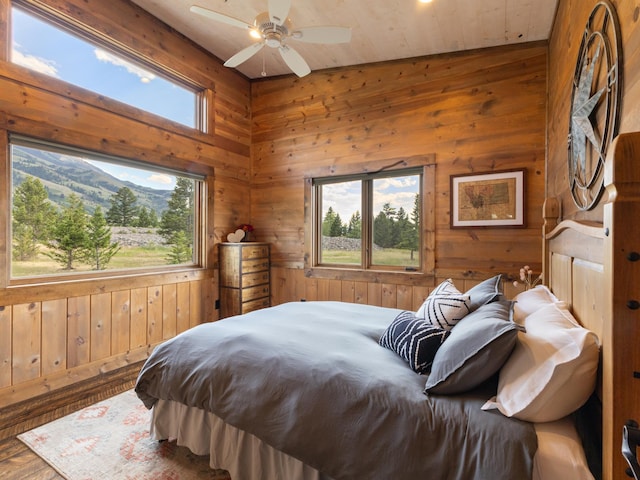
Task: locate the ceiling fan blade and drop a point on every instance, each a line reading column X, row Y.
column 323, row 34
column 244, row 55
column 279, row 10
column 220, row 17
column 294, row 60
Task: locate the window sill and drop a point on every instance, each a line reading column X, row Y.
column 377, row 276
column 49, row 288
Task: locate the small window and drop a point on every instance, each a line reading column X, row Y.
column 45, row 47
column 75, row 211
column 369, row 221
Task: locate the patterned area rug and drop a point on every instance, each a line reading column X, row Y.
column 110, row 440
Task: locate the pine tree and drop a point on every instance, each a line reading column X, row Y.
column 327, row 222
column 99, row 250
column 178, row 217
column 180, row 249
column 383, row 225
column 24, row 244
column 32, row 218
column 123, row 208
column 143, row 218
column 354, row 230
column 337, row 229
column 69, row 235
column 402, row 230
column 153, row 218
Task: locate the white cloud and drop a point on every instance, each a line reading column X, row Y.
column 104, row 56
column 37, row 64
column 160, row 178
column 396, row 182
column 396, row 200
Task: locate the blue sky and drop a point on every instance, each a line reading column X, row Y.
column 344, row 198
column 53, row 52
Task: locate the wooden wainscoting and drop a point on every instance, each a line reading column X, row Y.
column 52, row 343
column 291, row 284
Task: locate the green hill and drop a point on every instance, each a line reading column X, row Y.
column 63, row 175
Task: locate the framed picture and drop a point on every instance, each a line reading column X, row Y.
column 492, row 199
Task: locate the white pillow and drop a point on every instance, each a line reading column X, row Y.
column 531, row 300
column 552, row 369
column 445, row 306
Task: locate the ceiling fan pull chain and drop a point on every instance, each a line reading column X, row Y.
column 264, row 65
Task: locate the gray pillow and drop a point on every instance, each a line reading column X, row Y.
column 487, row 291
column 476, row 349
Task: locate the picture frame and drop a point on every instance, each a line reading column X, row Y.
column 488, row 199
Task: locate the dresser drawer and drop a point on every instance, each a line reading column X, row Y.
column 253, row 279
column 255, row 251
column 252, row 266
column 252, row 293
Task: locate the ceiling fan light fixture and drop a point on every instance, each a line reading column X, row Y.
column 273, row 28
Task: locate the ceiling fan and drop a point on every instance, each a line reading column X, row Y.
column 274, row 28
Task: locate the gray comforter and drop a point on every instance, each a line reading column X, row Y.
column 310, row 379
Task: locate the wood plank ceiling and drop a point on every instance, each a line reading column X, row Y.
column 381, row 29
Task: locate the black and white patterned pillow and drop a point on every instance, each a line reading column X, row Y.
column 414, row 339
column 445, row 306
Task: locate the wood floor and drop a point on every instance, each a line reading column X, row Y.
column 17, row 461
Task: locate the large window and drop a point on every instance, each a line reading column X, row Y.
column 369, row 221
column 43, row 46
column 74, row 211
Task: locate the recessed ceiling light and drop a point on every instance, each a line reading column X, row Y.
column 424, row 1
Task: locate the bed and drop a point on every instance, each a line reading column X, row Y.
column 326, row 393
column 327, row 401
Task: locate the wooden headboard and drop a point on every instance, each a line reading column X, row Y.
column 595, row 268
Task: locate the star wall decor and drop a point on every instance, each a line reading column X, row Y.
column 595, row 103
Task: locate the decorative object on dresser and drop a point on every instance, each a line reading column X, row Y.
column 244, row 277
column 248, row 231
column 237, row 236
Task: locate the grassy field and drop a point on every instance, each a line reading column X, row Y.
column 386, row 256
column 127, row 257
column 156, row 255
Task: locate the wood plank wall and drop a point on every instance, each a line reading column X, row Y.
column 55, row 335
column 564, row 43
column 291, row 285
column 476, row 111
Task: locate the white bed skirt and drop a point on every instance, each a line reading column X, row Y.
column 559, row 456
column 243, row 455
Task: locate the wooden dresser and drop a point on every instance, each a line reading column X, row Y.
column 244, row 277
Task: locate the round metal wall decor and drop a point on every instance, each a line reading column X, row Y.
column 595, row 103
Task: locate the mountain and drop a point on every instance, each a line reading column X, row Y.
column 63, row 175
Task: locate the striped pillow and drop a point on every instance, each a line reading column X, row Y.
column 414, row 339
column 445, row 306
